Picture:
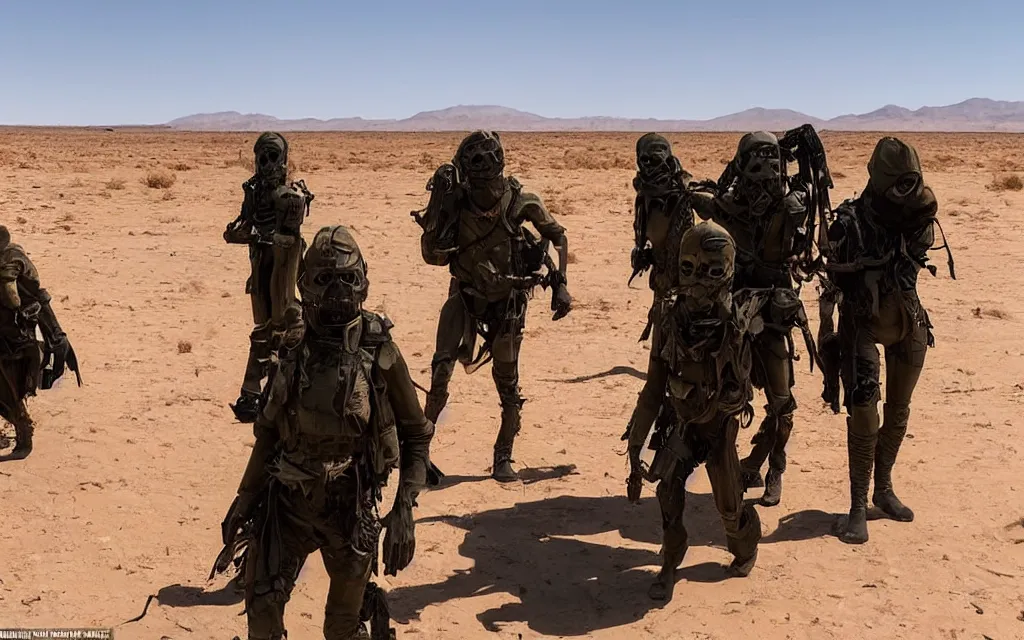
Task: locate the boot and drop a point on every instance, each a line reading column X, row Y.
column 673, row 552
column 23, row 440
column 751, row 477
column 777, row 461
column 890, row 436
column 502, row 470
column 773, row 488
column 247, row 407
column 860, row 451
column 743, row 535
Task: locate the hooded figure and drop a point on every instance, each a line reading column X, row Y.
column 876, row 247
column 495, row 262
column 341, row 414
column 269, row 223
column 703, row 365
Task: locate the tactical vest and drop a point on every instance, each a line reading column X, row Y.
column 338, row 405
column 492, row 246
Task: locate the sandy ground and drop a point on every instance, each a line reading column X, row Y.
column 132, row 473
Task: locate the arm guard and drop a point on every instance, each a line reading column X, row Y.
column 414, row 430
column 291, row 205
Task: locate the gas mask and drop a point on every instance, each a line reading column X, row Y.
column 896, row 186
column 657, row 168
column 707, row 262
column 758, row 162
column 480, row 160
column 333, row 286
column 271, row 159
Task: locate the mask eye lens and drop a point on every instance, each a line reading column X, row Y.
column 349, row 278
column 687, row 268
column 322, row 279
column 716, row 272
column 906, row 185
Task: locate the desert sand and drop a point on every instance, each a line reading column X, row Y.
column 132, row 473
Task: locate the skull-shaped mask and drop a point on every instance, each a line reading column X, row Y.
column 480, row 156
column 759, row 163
column 657, row 168
column 707, row 261
column 271, row 159
column 334, row 285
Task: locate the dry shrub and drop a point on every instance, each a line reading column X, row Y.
column 999, row 314
column 1011, row 182
column 243, row 161
column 168, row 195
column 571, row 257
column 77, row 182
column 114, row 184
column 592, row 160
column 180, row 166
column 21, row 220
column 942, row 161
column 168, row 219
column 159, row 180
column 184, row 346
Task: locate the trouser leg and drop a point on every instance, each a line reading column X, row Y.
column 862, row 378
column 742, row 524
column 903, row 365
column 349, row 573
column 450, row 329
column 671, row 494
column 276, row 556
column 505, row 371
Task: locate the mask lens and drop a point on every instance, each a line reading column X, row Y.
column 906, row 185
column 686, row 268
column 716, row 272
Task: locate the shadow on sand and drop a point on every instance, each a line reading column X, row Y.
column 565, row 587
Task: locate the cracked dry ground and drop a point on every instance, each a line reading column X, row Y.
column 131, row 475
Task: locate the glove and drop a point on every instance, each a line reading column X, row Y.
column 399, row 540
column 561, row 302
column 635, row 481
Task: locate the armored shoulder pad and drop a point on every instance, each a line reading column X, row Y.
column 286, row 194
column 376, row 329
column 796, row 200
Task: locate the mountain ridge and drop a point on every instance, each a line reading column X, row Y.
column 973, row 114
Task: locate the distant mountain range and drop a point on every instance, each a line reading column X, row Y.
column 976, row 114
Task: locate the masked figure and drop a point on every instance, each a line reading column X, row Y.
column 272, row 213
column 771, row 218
column 703, row 366
column 876, row 247
column 341, row 413
column 474, row 224
column 25, row 363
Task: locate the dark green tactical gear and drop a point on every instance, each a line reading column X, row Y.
column 875, row 249
column 768, row 217
column 341, row 413
column 25, row 363
column 474, row 224
column 270, row 221
column 703, row 365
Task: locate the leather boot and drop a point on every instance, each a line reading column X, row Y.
column 777, row 462
column 23, row 429
column 502, row 470
column 890, row 436
column 860, row 446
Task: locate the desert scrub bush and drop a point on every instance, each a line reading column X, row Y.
column 180, row 166
column 1011, row 182
column 159, row 180
column 114, row 184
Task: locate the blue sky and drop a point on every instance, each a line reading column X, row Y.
column 73, row 62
